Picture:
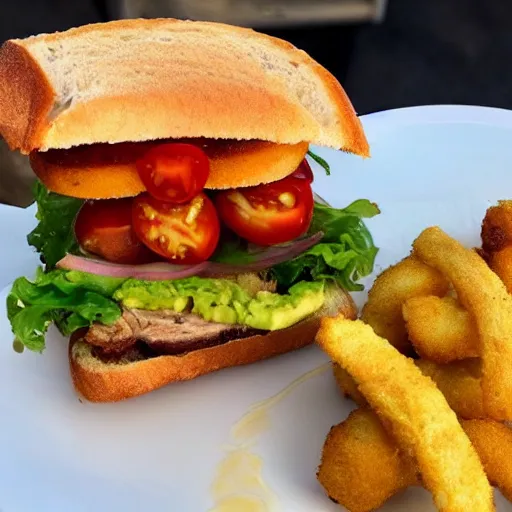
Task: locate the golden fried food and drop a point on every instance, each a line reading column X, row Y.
column 361, row 467
column 461, row 384
column 440, row 329
column 497, row 240
column 497, row 227
column 501, row 263
column 493, row 443
column 485, row 297
column 347, row 385
column 383, row 310
column 413, row 411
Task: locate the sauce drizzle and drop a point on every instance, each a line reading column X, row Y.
column 239, row 485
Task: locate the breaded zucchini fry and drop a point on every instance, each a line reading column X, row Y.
column 461, row 384
column 485, row 297
column 497, row 227
column 383, row 310
column 501, row 263
column 493, row 443
column 347, row 385
column 415, row 413
column 440, row 329
column 361, row 466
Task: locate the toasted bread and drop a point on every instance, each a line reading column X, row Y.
column 147, row 79
column 99, row 381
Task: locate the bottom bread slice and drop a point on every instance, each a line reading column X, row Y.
column 110, row 381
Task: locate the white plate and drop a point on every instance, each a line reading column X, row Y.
column 431, row 165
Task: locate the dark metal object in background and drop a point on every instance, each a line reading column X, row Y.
column 16, row 177
column 260, row 14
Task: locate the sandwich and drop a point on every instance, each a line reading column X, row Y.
column 178, row 230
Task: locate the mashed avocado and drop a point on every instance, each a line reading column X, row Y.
column 225, row 301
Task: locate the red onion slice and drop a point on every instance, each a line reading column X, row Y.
column 162, row 271
column 266, row 258
column 150, row 271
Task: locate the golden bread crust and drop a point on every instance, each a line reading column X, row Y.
column 110, row 382
column 135, row 80
column 26, row 96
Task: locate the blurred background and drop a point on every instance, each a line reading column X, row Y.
column 386, row 53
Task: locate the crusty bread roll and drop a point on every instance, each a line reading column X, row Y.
column 98, row 381
column 106, row 171
column 145, row 79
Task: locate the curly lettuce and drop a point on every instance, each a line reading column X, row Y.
column 53, row 237
column 73, row 300
column 70, row 299
column 345, row 254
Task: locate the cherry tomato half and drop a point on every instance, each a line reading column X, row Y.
column 105, row 228
column 303, row 172
column 174, row 172
column 268, row 214
column 185, row 233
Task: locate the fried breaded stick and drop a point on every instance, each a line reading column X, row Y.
column 497, row 227
column 361, row 466
column 440, row 329
column 501, row 263
column 415, row 413
column 348, row 385
column 461, row 384
column 493, row 443
column 497, row 240
column 485, row 297
column 383, row 310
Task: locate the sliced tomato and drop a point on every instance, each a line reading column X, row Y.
column 104, row 228
column 174, row 172
column 303, row 172
column 185, row 233
column 268, row 214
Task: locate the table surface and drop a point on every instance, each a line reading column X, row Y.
column 17, row 257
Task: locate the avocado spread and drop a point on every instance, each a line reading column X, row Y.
column 225, row 301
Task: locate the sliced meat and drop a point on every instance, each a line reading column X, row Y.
column 161, row 332
column 114, row 338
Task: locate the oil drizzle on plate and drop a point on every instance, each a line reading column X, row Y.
column 238, row 484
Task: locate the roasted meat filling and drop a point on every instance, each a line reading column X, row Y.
column 160, row 332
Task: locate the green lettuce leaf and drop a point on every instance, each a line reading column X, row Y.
column 52, row 297
column 345, row 254
column 73, row 299
column 53, row 237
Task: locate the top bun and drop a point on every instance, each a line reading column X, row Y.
column 147, row 79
